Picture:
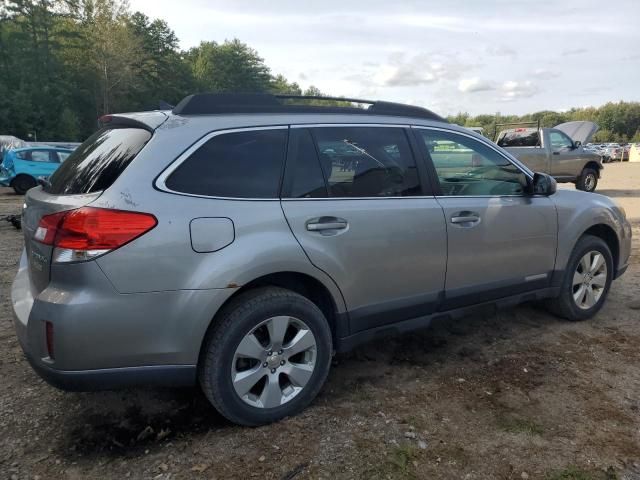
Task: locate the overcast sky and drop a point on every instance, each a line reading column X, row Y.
column 479, row 56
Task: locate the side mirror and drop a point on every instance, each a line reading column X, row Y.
column 577, row 144
column 543, row 184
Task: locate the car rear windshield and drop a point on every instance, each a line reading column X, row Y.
column 524, row 137
column 98, row 162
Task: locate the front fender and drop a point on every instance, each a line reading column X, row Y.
column 580, row 211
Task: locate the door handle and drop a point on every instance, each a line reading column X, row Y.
column 326, row 223
column 556, row 153
column 465, row 219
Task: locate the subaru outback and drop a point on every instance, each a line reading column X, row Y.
column 238, row 241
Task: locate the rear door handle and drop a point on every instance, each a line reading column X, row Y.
column 465, row 219
column 326, row 223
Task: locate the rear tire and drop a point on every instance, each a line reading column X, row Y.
column 22, row 183
column 588, row 180
column 585, row 270
column 248, row 368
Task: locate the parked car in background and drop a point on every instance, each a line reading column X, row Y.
column 598, row 150
column 619, row 154
column 242, row 246
column 22, row 167
column 556, row 151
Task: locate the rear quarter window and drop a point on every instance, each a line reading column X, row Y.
column 235, row 164
column 99, row 161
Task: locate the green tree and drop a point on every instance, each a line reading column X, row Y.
column 114, row 52
column 163, row 73
column 229, row 67
column 63, row 63
column 69, row 126
column 279, row 84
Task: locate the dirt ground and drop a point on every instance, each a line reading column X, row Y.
column 518, row 394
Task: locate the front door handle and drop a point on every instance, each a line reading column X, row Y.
column 465, row 219
column 326, row 223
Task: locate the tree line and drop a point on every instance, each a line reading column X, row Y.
column 618, row 122
column 64, row 63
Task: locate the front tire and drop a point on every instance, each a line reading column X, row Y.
column 586, row 281
column 22, row 183
column 588, row 180
column 266, row 357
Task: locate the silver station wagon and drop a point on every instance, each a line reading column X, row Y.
column 238, row 241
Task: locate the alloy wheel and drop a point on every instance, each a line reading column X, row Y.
column 274, row 362
column 589, row 280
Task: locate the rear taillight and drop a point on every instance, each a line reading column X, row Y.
column 88, row 232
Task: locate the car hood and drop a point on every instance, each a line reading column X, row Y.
column 578, row 131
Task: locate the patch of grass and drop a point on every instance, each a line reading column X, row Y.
column 570, row 473
column 520, row 425
column 574, row 473
column 401, row 457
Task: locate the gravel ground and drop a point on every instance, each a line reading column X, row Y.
column 517, row 394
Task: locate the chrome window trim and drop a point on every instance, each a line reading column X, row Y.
column 324, row 199
column 161, row 180
column 520, row 166
column 341, row 125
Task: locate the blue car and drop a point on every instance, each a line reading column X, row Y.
column 21, row 168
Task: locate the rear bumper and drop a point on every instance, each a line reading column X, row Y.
column 114, row 378
column 103, row 339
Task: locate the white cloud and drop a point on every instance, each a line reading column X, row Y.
column 513, row 90
column 544, row 74
column 477, row 23
column 448, row 50
column 574, row 51
column 403, row 76
column 501, row 51
column 474, row 85
column 403, row 71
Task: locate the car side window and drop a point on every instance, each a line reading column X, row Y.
column 236, row 164
column 367, row 161
column 559, row 141
column 307, row 180
column 62, row 156
column 466, row 167
column 40, row 156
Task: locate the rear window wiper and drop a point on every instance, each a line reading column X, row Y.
column 44, row 182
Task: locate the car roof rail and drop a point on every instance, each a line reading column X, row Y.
column 225, row 103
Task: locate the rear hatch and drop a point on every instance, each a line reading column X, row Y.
column 38, row 204
column 80, row 180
